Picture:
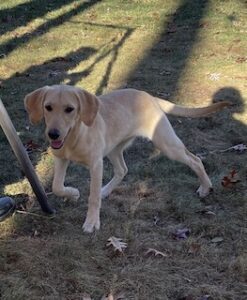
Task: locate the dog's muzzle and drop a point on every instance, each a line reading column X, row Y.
column 54, row 135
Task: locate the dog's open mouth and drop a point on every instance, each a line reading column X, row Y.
column 57, row 144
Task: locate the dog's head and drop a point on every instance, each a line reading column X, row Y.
column 62, row 107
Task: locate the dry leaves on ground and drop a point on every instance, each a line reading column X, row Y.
column 231, row 179
column 116, row 243
column 239, row 148
column 194, row 248
column 31, row 146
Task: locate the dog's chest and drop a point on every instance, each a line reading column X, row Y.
column 73, row 155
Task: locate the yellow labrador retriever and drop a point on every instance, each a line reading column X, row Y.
column 84, row 128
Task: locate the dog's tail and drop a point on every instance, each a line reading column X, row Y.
column 192, row 112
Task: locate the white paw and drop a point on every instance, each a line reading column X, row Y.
column 204, row 191
column 104, row 192
column 71, row 193
column 91, row 223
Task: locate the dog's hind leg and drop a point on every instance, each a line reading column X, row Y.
column 167, row 141
column 119, row 168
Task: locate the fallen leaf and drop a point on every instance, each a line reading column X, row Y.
column 156, row 252
column 194, row 248
column 116, row 243
column 30, row 146
column 241, row 59
column 214, row 76
column 181, row 234
column 230, row 180
column 217, row 239
column 239, row 147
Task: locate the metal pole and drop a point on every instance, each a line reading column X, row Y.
column 23, row 159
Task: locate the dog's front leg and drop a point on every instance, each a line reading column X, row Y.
column 58, row 188
column 94, row 202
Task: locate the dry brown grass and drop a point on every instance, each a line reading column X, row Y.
column 170, row 50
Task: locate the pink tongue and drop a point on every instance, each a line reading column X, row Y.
column 56, row 144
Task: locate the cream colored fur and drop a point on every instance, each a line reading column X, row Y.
column 84, row 128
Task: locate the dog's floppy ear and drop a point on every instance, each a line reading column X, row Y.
column 89, row 105
column 33, row 103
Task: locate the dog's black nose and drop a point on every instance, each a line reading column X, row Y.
column 53, row 134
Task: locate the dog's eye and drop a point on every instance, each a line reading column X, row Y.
column 69, row 109
column 48, row 107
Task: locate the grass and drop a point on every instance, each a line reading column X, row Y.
column 171, row 50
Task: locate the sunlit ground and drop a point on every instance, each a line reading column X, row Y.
column 191, row 52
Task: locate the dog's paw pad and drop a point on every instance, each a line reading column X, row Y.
column 204, row 192
column 72, row 193
column 89, row 226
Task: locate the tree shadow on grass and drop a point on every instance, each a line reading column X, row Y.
column 162, row 68
column 220, row 130
column 9, row 46
column 235, row 132
column 113, row 51
column 160, row 73
column 22, row 14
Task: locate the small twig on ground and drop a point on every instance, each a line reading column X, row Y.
column 33, row 214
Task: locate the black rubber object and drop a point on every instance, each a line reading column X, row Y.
column 7, row 207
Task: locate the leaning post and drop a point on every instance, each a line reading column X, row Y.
column 23, row 158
